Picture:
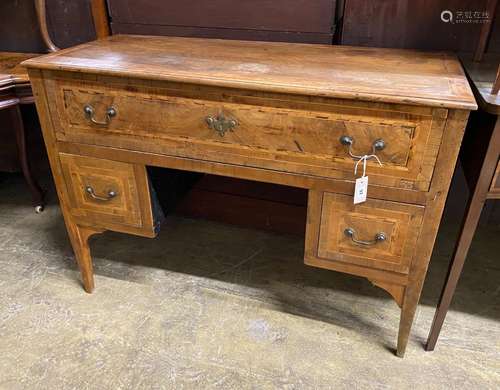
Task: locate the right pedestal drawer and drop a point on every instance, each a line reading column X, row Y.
column 376, row 234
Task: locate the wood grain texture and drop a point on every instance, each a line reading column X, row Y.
column 277, row 216
column 430, row 79
column 480, row 192
column 11, row 72
column 129, row 208
column 259, row 205
column 445, row 165
column 100, row 17
column 41, row 12
column 69, row 23
column 495, row 89
column 495, row 183
column 15, row 90
column 222, row 33
column 312, row 242
column 272, row 15
column 78, row 234
column 400, row 223
column 485, row 31
column 303, row 140
column 79, row 237
column 414, row 24
column 242, row 172
column 480, row 160
column 395, row 290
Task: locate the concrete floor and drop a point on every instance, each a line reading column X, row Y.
column 207, row 305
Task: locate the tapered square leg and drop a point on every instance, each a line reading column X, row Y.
column 79, row 237
column 408, row 309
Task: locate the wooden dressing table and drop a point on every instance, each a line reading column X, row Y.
column 274, row 112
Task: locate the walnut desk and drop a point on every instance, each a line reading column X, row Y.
column 293, row 114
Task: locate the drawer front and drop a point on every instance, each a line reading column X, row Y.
column 260, row 133
column 110, row 194
column 377, row 234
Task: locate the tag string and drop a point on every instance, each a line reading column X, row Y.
column 364, row 159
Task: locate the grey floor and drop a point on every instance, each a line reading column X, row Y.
column 208, row 305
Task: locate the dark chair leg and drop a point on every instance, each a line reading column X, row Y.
column 469, row 225
column 464, row 241
column 36, row 191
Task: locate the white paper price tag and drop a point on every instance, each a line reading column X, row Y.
column 361, row 190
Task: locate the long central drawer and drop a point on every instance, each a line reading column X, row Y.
column 314, row 139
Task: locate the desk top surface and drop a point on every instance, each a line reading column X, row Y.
column 370, row 74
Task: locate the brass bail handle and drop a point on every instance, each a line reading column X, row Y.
column 89, row 113
column 351, row 233
column 111, row 194
column 378, row 144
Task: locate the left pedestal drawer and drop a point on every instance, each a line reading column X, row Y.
column 110, row 194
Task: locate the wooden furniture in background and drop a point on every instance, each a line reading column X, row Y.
column 15, row 90
column 485, row 30
column 496, row 83
column 101, row 18
column 69, row 23
column 270, row 112
column 41, row 13
column 480, row 159
column 247, row 203
column 259, row 20
column 416, row 24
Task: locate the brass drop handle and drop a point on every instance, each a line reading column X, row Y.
column 221, row 124
column 89, row 113
column 346, row 140
column 111, row 194
column 379, row 237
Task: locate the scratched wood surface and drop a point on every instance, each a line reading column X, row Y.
column 130, row 208
column 400, row 223
column 389, row 75
column 269, row 132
